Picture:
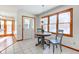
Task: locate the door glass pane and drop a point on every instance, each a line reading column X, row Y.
column 32, row 23
column 52, row 27
column 9, row 27
column 26, row 23
column 2, row 27
column 65, row 27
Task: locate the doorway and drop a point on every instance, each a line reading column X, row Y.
column 28, row 27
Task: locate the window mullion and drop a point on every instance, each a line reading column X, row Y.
column 5, row 26
column 48, row 23
column 57, row 24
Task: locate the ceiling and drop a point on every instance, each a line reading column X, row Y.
column 35, row 9
column 32, row 9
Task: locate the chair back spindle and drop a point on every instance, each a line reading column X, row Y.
column 59, row 36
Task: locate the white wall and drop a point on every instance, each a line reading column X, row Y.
column 37, row 22
column 8, row 11
column 70, row 41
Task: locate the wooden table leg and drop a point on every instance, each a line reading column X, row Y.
column 43, row 41
column 39, row 42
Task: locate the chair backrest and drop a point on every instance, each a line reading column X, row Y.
column 40, row 30
column 59, row 36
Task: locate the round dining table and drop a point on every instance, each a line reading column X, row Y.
column 42, row 35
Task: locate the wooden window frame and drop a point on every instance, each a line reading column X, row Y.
column 55, row 23
column 5, row 26
column 71, row 21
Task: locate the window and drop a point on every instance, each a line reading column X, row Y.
column 7, row 26
column 52, row 23
column 2, row 27
column 64, row 22
column 44, row 23
column 61, row 20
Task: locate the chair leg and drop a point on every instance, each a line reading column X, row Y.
column 43, row 41
column 60, row 48
column 43, row 46
column 56, row 46
column 53, row 48
column 38, row 39
column 49, row 44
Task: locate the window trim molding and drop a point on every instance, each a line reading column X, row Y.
column 71, row 21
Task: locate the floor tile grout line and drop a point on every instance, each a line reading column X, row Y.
column 7, row 47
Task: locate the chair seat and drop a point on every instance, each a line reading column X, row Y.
column 55, row 41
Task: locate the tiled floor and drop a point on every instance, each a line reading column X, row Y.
column 5, row 42
column 28, row 47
